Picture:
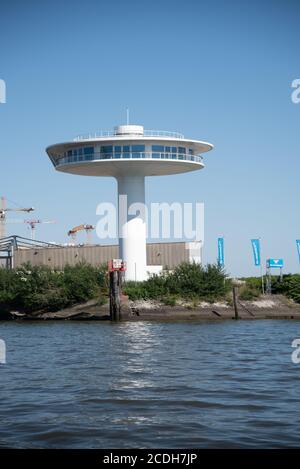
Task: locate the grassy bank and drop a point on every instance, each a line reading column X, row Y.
column 30, row 289
column 290, row 287
column 187, row 281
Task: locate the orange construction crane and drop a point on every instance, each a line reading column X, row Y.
column 4, row 210
column 88, row 229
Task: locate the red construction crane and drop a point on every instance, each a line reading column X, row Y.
column 32, row 224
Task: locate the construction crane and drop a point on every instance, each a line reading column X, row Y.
column 4, row 210
column 32, row 225
column 88, row 229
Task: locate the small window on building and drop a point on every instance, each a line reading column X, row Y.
column 138, row 148
column 159, row 148
column 107, row 149
column 88, row 150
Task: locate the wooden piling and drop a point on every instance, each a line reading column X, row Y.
column 114, row 295
column 234, row 295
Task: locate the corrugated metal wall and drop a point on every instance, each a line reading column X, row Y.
column 165, row 254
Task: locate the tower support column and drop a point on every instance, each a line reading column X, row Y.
column 132, row 226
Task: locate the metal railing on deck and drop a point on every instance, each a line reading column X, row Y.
column 113, row 133
column 96, row 156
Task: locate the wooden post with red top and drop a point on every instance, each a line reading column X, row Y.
column 116, row 267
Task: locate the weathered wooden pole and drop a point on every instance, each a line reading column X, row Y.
column 234, row 295
column 116, row 268
column 114, row 295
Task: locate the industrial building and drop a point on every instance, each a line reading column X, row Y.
column 15, row 251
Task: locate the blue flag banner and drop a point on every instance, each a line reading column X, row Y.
column 256, row 251
column 221, row 251
column 298, row 248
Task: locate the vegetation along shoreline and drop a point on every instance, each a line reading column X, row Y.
column 190, row 291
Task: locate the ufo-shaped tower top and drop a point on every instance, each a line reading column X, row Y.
column 129, row 153
column 129, row 149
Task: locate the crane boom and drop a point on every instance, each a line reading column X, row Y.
column 32, row 224
column 86, row 227
column 29, row 209
column 4, row 209
column 79, row 228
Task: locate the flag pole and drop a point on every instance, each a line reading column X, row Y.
column 261, row 269
column 298, row 248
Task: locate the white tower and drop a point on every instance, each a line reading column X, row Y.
column 129, row 153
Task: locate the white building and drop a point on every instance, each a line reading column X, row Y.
column 130, row 153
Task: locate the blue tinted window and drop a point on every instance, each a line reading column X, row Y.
column 155, row 155
column 191, row 151
column 117, row 155
column 69, row 152
column 126, row 148
column 167, row 149
column 118, row 149
column 107, row 149
column 88, row 150
column 139, row 148
column 80, row 151
column 181, row 150
column 159, row 148
column 174, row 150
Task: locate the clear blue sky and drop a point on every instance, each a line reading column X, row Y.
column 214, row 70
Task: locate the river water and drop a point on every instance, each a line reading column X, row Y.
column 219, row 384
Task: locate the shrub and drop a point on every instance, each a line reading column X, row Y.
column 31, row 288
column 290, row 286
column 187, row 280
column 248, row 292
column 169, row 300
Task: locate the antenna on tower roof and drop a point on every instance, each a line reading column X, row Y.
column 127, row 115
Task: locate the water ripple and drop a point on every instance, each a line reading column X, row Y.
column 89, row 385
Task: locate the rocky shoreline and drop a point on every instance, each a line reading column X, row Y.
column 267, row 307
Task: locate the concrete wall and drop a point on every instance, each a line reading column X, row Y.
column 165, row 254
